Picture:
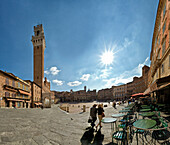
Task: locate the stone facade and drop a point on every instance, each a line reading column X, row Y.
column 130, row 88
column 75, row 96
column 52, row 97
column 105, row 95
column 14, row 92
column 120, row 92
column 160, row 54
column 36, row 99
column 138, row 85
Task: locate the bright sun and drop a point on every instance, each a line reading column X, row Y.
column 107, row 57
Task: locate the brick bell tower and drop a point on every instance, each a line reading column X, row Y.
column 38, row 41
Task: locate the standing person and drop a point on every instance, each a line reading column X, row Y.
column 128, row 101
column 114, row 104
column 93, row 112
column 100, row 115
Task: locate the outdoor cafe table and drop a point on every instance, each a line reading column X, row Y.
column 145, row 107
column 126, row 108
column 110, row 120
column 147, row 114
column 124, row 111
column 145, row 110
column 161, row 105
column 118, row 115
column 143, row 124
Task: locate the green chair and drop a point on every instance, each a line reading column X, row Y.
column 119, row 136
column 160, row 132
column 160, row 136
column 123, row 125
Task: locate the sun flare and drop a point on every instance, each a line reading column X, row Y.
column 107, row 57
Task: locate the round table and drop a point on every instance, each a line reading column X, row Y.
column 118, row 115
column 123, row 111
column 145, row 110
column 161, row 105
column 148, row 114
column 126, row 108
column 144, row 124
column 109, row 120
column 145, row 107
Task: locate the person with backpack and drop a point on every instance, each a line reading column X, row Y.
column 93, row 113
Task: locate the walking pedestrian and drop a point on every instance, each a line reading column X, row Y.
column 114, row 104
column 93, row 113
column 100, row 115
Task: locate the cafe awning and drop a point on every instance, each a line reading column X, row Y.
column 10, row 89
column 38, row 103
column 138, row 94
column 25, row 93
column 164, row 86
column 15, row 100
column 147, row 91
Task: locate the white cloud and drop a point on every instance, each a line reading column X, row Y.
column 85, row 77
column 75, row 83
column 127, row 76
column 127, row 42
column 47, row 72
column 59, row 83
column 54, row 70
column 105, row 72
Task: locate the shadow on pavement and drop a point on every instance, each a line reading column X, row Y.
column 111, row 143
column 98, row 139
column 88, row 137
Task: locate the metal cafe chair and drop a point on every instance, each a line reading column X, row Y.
column 120, row 136
column 160, row 132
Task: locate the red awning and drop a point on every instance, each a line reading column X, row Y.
column 38, row 103
column 15, row 100
column 163, row 86
column 147, row 91
column 25, row 93
column 10, row 89
column 138, row 94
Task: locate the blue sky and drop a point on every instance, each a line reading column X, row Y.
column 78, row 32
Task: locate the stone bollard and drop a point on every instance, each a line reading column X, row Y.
column 84, row 108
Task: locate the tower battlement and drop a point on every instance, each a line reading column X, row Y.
column 38, row 30
column 38, row 27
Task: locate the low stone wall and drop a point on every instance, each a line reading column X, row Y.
column 64, row 108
